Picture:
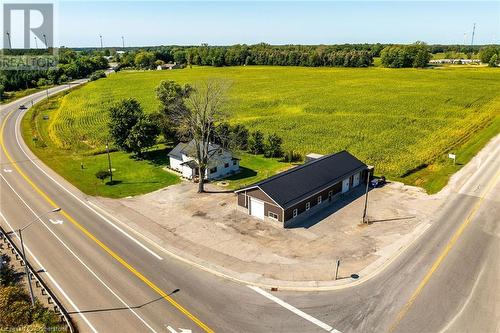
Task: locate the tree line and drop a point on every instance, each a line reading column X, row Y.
column 71, row 65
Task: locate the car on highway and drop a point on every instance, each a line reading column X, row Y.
column 22, row 107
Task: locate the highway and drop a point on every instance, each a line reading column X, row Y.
column 111, row 280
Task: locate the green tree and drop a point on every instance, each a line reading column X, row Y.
column 102, row 174
column 123, row 117
column 172, row 101
column 493, row 61
column 8, row 275
column 487, row 52
column 239, row 137
column 15, row 307
column 256, row 142
column 144, row 60
column 272, row 147
column 143, row 135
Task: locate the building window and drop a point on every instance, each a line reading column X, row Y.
column 273, row 215
column 226, row 165
column 319, row 199
column 308, row 205
column 213, row 170
column 295, row 212
column 330, row 194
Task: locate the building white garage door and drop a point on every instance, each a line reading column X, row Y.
column 345, row 185
column 355, row 180
column 257, row 208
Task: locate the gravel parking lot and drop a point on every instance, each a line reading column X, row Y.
column 210, row 229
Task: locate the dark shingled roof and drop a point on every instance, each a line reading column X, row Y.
column 301, row 182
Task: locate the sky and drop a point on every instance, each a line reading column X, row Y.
column 79, row 23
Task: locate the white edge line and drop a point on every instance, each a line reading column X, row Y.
column 80, row 200
column 77, row 258
column 54, row 282
column 293, row 309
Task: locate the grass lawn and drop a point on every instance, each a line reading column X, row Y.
column 130, row 176
column 254, row 168
column 402, row 121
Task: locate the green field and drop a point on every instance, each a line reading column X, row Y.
column 400, row 120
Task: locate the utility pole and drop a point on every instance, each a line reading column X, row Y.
column 45, row 40
column 337, row 270
column 26, row 269
column 366, row 194
column 10, row 42
column 109, row 163
column 36, row 43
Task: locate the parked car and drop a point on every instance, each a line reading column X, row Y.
column 22, row 107
column 378, row 182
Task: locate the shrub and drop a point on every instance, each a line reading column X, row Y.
column 272, row 148
column 256, row 143
column 102, row 174
column 292, row 156
column 97, row 75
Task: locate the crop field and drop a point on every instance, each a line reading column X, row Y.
column 399, row 120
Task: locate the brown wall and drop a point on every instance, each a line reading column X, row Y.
column 269, row 205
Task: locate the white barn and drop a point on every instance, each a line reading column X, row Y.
column 222, row 163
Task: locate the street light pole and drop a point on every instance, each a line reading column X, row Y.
column 109, row 164
column 36, row 43
column 100, row 37
column 366, row 194
column 26, row 270
column 45, row 39
column 123, row 43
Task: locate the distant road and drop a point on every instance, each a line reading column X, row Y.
column 111, row 280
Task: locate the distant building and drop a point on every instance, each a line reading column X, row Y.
column 183, row 159
column 455, row 61
column 167, row 66
column 303, row 189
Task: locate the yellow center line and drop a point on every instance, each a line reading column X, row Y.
column 96, row 240
column 443, row 254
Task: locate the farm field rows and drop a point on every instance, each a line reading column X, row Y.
column 398, row 120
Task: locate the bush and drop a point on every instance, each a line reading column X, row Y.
column 8, row 275
column 292, row 156
column 103, row 174
column 97, row 75
column 42, row 82
column 256, row 143
column 272, row 148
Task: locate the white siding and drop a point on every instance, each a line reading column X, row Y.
column 175, row 164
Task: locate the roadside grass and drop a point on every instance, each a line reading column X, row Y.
column 130, row 176
column 254, row 168
column 436, row 175
column 11, row 96
column 402, row 121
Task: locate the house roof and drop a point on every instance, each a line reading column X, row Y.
column 188, row 149
column 292, row 186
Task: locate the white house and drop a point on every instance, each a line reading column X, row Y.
column 222, row 163
column 167, row 66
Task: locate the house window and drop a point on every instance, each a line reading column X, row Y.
column 273, row 215
column 226, row 165
column 319, row 199
column 295, row 212
column 213, row 170
column 308, row 205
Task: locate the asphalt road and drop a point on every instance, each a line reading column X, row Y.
column 112, row 280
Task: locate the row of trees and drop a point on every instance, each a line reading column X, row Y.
column 71, row 65
column 399, row 56
column 260, row 54
column 239, row 138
